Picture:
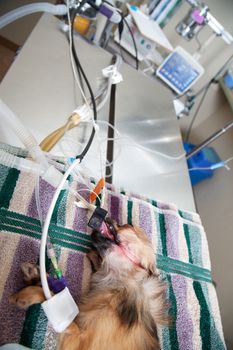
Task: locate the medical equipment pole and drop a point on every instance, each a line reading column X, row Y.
column 209, row 140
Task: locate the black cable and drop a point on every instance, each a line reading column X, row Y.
column 120, row 27
column 78, row 64
column 134, row 42
column 81, row 71
column 81, row 81
column 197, row 38
column 79, row 74
column 120, row 30
column 196, row 113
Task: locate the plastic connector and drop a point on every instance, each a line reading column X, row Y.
column 110, row 12
column 84, row 112
column 97, row 218
column 60, row 310
column 112, row 73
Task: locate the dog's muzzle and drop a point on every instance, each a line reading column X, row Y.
column 105, row 236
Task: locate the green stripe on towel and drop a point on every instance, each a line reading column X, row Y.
column 173, row 313
column 170, row 265
column 173, row 309
column 54, row 240
column 182, row 265
column 31, row 227
column 186, row 233
column 4, row 172
column 35, row 224
column 30, row 323
column 8, row 187
column 9, row 224
column 130, row 209
column 59, row 201
column 163, row 234
column 204, row 316
column 186, row 274
column 204, row 311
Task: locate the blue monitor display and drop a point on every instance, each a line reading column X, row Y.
column 178, row 72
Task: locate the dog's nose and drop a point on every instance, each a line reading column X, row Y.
column 100, row 242
column 12, row 299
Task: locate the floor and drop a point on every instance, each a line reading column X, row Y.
column 8, row 51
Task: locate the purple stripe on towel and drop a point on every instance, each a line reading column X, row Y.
column 172, row 234
column 184, row 326
column 145, row 220
column 12, row 318
column 115, row 208
column 74, row 274
column 162, row 205
column 46, row 194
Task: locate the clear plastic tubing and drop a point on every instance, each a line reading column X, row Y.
column 57, row 10
column 10, row 120
column 12, row 161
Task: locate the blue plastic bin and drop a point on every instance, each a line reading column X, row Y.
column 203, row 159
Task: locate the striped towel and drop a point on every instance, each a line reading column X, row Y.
column 179, row 240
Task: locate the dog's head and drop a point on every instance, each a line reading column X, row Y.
column 124, row 247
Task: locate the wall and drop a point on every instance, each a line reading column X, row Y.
column 213, row 58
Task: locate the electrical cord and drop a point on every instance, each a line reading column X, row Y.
column 81, row 81
column 133, row 39
column 80, row 69
column 74, row 70
column 197, row 38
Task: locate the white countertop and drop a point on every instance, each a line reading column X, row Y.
column 39, row 88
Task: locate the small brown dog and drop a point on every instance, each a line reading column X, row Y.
column 125, row 301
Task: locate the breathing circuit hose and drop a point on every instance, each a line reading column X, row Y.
column 10, row 120
column 57, row 10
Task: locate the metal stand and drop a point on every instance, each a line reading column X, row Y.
column 209, row 140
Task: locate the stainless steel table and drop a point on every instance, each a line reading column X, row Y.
column 39, row 88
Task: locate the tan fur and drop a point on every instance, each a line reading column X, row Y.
column 124, row 304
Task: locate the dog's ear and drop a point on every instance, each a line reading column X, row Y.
column 152, row 270
column 147, row 256
column 149, row 266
